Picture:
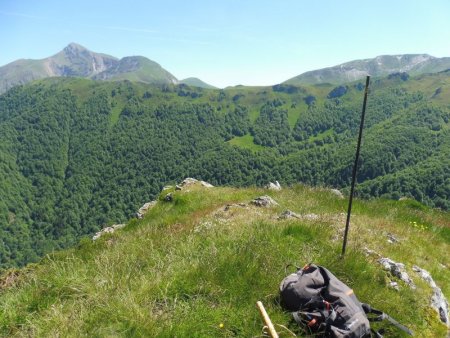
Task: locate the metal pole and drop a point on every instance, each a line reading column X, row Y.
column 355, row 166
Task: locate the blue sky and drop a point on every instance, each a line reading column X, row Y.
column 228, row 42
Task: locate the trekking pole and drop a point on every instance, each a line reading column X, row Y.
column 355, row 166
column 267, row 320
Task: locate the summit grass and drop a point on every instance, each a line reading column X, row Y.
column 196, row 266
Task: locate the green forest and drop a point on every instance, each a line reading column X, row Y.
column 76, row 154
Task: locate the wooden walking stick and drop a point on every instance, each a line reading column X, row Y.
column 267, row 320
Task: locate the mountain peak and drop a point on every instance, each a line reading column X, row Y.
column 381, row 65
column 76, row 60
column 76, row 48
column 74, row 45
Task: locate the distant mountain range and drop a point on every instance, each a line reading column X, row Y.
column 383, row 65
column 77, row 61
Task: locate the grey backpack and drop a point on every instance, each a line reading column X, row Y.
column 323, row 305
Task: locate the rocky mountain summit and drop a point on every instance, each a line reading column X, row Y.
column 382, row 65
column 75, row 60
column 78, row 61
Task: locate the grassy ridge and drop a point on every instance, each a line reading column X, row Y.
column 193, row 264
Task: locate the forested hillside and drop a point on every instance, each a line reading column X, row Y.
column 78, row 154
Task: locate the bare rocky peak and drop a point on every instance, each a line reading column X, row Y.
column 379, row 66
column 77, row 61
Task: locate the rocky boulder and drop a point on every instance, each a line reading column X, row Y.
column 107, row 230
column 398, row 270
column 264, row 201
column 288, row 214
column 438, row 300
column 145, row 208
column 189, row 181
column 273, row 186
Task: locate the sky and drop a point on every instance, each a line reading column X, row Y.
column 228, row 42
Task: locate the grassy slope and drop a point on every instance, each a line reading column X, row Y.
column 191, row 265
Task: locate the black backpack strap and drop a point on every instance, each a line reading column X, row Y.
column 377, row 334
column 380, row 316
column 317, row 315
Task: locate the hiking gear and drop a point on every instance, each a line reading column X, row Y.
column 355, row 166
column 322, row 304
column 380, row 316
column 267, row 320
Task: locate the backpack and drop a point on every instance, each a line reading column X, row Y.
column 326, row 307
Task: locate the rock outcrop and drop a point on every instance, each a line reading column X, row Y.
column 107, row 230
column 287, row 214
column 264, row 201
column 189, row 181
column 338, row 193
column 438, row 300
column 273, row 186
column 145, row 208
column 398, row 270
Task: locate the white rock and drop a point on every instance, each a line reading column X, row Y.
column 398, row 270
column 107, row 230
column 273, row 186
column 438, row 300
column 288, row 214
column 188, row 181
column 145, row 208
column 394, row 285
column 206, row 184
column 264, row 201
column 392, row 239
column 337, row 193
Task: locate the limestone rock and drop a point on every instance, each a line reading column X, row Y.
column 107, row 230
column 145, row 208
column 287, row 214
column 188, row 181
column 264, row 201
column 398, row 270
column 273, row 186
column 438, row 300
column 392, row 239
column 394, row 285
column 337, row 193
column 206, row 184
column 425, row 275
